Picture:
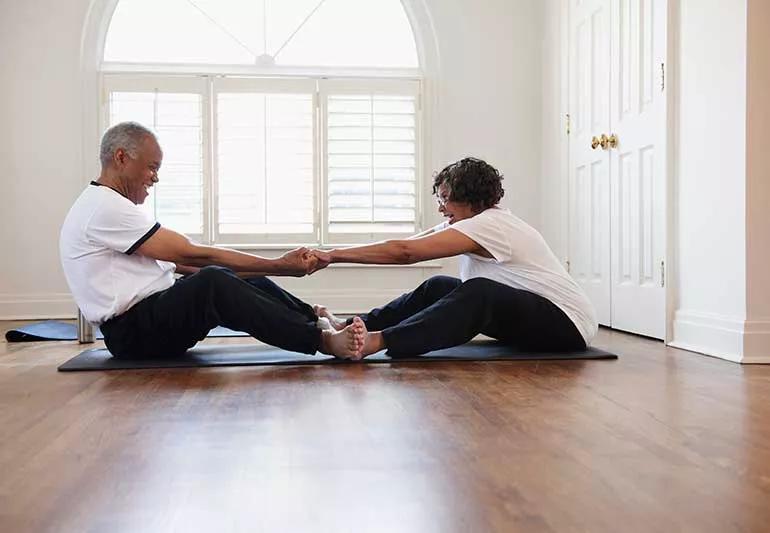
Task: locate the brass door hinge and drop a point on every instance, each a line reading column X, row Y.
column 662, row 77
column 662, row 273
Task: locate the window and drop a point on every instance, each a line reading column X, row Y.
column 174, row 109
column 370, row 158
column 370, row 33
column 265, row 160
column 326, row 152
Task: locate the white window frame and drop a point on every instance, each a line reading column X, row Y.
column 208, row 86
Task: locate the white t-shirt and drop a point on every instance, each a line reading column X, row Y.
column 521, row 259
column 97, row 243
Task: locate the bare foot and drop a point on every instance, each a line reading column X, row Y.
column 373, row 343
column 322, row 312
column 347, row 343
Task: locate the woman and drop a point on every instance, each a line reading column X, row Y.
column 511, row 287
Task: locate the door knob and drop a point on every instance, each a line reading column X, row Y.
column 613, row 141
column 595, row 142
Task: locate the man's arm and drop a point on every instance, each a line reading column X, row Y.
column 168, row 245
column 446, row 243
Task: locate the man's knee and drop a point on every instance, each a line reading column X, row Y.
column 261, row 282
column 214, row 275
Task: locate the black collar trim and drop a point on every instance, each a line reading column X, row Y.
column 97, row 184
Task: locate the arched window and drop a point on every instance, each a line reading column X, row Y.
column 281, row 121
column 370, row 33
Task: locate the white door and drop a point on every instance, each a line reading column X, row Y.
column 617, row 191
column 589, row 172
column 638, row 165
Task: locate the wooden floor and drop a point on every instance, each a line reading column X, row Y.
column 660, row 440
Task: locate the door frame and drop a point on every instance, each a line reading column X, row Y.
column 672, row 165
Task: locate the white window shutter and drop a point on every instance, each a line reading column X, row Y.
column 177, row 120
column 372, row 162
column 265, row 164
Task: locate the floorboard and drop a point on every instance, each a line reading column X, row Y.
column 659, row 440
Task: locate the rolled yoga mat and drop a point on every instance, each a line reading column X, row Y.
column 255, row 354
column 53, row 330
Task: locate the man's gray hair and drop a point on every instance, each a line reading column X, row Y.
column 126, row 135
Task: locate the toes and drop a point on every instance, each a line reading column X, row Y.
column 355, row 339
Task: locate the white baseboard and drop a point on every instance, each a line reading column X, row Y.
column 61, row 305
column 37, row 306
column 716, row 335
column 730, row 338
column 756, row 342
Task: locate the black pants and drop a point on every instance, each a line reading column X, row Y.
column 444, row 312
column 174, row 320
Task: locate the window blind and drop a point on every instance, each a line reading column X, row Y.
column 371, row 163
column 176, row 118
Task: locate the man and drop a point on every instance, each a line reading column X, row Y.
column 120, row 265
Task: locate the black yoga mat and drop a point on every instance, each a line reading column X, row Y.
column 255, row 354
column 53, row 330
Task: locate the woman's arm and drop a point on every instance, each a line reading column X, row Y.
column 446, row 243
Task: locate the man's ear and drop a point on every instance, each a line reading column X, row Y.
column 120, row 157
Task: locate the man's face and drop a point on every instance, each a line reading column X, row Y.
column 454, row 211
column 140, row 173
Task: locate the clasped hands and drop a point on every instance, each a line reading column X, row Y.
column 304, row 261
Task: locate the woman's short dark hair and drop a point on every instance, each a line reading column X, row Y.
column 472, row 181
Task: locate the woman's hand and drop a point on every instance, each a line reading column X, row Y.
column 323, row 259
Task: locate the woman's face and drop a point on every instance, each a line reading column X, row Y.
column 454, row 211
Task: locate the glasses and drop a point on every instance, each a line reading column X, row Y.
column 442, row 201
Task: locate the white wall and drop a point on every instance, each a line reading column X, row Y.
column 39, row 148
column 553, row 213
column 488, row 105
column 490, row 91
column 711, row 179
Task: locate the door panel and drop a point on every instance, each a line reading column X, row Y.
column 637, row 166
column 589, row 192
column 617, row 195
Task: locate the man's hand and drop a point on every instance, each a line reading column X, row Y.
column 323, row 259
column 299, row 262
